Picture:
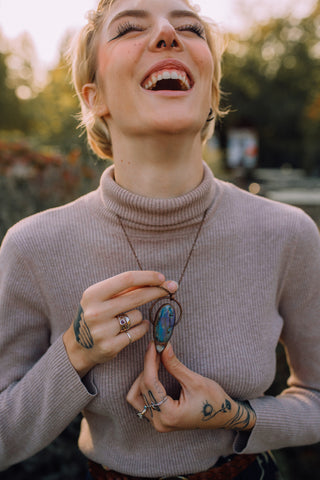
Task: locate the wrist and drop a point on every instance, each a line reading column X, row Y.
column 242, row 416
column 78, row 356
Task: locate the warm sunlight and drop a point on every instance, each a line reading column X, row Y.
column 47, row 22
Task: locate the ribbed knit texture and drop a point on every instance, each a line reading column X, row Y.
column 254, row 276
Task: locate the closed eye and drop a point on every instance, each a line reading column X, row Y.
column 195, row 28
column 127, row 27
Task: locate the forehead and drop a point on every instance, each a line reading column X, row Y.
column 152, row 7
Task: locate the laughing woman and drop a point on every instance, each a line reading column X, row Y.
column 161, row 251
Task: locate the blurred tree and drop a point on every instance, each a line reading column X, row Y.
column 22, row 64
column 272, row 74
column 11, row 117
column 54, row 109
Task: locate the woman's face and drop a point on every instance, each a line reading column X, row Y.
column 154, row 68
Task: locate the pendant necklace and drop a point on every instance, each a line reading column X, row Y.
column 164, row 316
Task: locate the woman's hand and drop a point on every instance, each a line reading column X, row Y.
column 95, row 336
column 202, row 402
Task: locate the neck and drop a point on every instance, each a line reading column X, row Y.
column 164, row 167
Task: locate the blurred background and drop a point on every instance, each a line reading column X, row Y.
column 268, row 144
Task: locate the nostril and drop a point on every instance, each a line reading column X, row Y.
column 161, row 43
column 174, row 43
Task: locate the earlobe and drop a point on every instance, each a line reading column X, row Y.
column 90, row 97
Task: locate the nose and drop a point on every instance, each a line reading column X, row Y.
column 165, row 38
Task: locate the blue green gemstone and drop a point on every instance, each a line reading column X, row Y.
column 163, row 326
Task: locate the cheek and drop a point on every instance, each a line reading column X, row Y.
column 204, row 61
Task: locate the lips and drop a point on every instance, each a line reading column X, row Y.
column 168, row 75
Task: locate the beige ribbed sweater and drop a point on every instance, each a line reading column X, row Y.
column 253, row 278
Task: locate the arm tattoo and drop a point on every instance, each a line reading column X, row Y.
column 240, row 421
column 82, row 331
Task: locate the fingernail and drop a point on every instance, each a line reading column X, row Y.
column 172, row 286
column 161, row 277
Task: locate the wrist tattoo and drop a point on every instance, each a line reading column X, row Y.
column 82, row 331
column 240, row 421
column 243, row 418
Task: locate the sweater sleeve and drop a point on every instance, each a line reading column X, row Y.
column 293, row 417
column 40, row 392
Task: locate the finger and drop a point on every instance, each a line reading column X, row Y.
column 135, row 298
column 152, row 387
column 179, row 371
column 123, row 340
column 127, row 280
column 134, row 316
column 151, row 363
column 134, row 397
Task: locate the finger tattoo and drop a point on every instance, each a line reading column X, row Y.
column 82, row 331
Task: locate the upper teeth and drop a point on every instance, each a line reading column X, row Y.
column 166, row 75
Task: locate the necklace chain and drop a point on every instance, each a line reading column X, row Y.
column 190, row 252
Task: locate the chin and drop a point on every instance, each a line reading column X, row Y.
column 177, row 124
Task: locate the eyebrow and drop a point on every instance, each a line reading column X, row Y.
column 145, row 14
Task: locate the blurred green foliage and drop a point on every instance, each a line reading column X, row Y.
column 272, row 83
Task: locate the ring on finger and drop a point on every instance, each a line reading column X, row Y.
column 143, row 412
column 130, row 338
column 124, row 322
column 154, row 406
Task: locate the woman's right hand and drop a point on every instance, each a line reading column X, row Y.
column 97, row 319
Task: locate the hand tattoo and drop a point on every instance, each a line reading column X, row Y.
column 240, row 421
column 209, row 412
column 82, row 331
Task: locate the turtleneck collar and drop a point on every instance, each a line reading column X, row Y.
column 147, row 213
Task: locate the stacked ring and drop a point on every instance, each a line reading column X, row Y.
column 140, row 414
column 153, row 406
column 124, row 322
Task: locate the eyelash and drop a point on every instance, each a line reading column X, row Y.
column 195, row 28
column 127, row 27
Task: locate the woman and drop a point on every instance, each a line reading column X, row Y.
column 236, row 274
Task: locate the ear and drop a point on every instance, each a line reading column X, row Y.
column 90, row 97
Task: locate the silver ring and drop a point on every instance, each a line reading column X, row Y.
column 143, row 412
column 124, row 322
column 129, row 336
column 155, row 405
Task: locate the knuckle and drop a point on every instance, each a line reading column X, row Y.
column 130, row 397
column 91, row 313
column 128, row 277
column 87, row 294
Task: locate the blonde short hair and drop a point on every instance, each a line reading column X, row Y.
column 84, row 63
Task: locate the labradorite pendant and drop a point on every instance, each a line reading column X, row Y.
column 164, row 321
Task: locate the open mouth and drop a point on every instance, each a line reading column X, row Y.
column 169, row 80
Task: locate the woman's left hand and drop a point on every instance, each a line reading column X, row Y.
column 202, row 402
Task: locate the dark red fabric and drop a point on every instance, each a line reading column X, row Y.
column 228, row 470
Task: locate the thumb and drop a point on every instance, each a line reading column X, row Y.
column 173, row 365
